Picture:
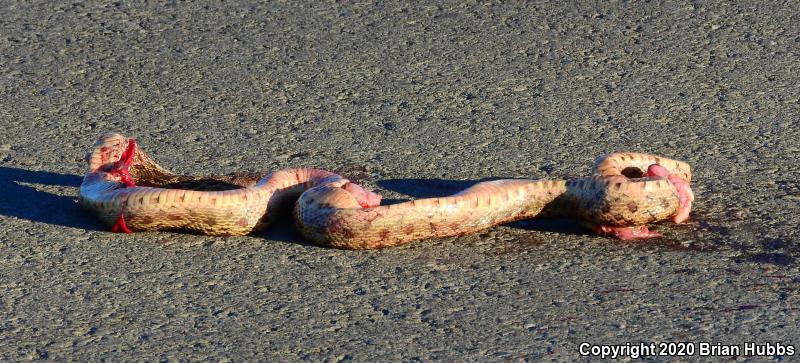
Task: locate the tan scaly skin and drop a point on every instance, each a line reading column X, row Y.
column 126, row 189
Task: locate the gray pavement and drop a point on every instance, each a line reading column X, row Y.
column 413, row 101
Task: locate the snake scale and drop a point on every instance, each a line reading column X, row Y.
column 126, row 189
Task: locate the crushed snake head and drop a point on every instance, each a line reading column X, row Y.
column 128, row 191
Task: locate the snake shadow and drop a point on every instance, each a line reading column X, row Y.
column 20, row 199
column 433, row 188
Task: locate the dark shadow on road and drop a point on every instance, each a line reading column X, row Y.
column 284, row 230
column 25, row 202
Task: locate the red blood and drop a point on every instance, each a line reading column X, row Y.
column 120, row 226
column 121, row 167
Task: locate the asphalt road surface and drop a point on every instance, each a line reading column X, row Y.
column 412, row 101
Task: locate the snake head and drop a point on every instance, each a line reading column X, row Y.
column 112, row 155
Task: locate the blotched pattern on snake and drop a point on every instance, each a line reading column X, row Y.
column 130, row 192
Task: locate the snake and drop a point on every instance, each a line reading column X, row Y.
column 130, row 192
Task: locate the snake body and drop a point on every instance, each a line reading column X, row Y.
column 123, row 183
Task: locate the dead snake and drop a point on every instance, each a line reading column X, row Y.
column 130, row 192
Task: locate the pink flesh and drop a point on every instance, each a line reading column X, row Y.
column 685, row 195
column 120, row 226
column 364, row 197
column 121, row 167
column 626, row 233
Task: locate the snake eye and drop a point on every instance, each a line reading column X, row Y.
column 632, row 172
